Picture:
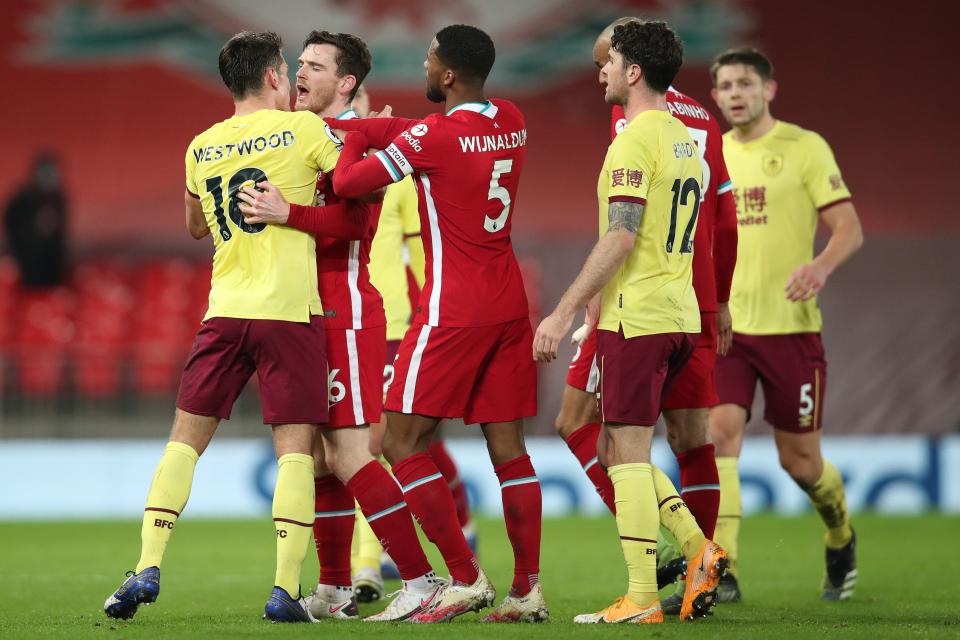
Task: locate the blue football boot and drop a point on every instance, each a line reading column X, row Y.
column 138, row 588
column 281, row 607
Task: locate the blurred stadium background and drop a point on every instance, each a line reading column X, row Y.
column 117, row 89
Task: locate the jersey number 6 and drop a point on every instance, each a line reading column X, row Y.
column 500, row 193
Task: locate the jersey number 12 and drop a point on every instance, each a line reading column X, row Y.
column 681, row 195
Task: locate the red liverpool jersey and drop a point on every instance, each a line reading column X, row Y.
column 349, row 299
column 466, row 165
column 715, row 241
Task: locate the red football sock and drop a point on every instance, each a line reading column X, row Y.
column 333, row 530
column 446, row 465
column 583, row 444
column 700, row 486
column 432, row 505
column 522, row 509
column 382, row 503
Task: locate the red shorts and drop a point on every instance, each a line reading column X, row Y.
column 284, row 354
column 480, row 374
column 696, row 385
column 792, row 370
column 392, row 347
column 636, row 373
column 583, row 373
column 354, row 375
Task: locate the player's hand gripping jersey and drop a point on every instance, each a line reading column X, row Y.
column 260, row 271
column 466, row 166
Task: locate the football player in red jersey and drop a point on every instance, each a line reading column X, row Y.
column 331, row 68
column 694, row 392
column 467, row 352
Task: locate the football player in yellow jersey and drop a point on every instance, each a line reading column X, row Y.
column 264, row 316
column 786, row 182
column 649, row 196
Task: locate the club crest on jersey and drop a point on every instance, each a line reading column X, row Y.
column 772, row 164
column 418, row 129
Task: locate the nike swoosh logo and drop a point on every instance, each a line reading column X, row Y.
column 425, row 603
column 333, row 610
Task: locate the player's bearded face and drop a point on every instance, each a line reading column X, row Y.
column 741, row 94
column 317, row 79
column 434, row 72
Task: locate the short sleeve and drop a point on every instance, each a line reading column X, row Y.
column 322, row 146
column 417, row 149
column 629, row 170
column 821, row 175
column 190, row 162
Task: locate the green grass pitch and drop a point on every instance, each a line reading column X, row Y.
column 54, row 578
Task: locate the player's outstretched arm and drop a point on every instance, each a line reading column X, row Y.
column 346, row 220
column 380, row 131
column 846, row 238
column 603, row 262
column 356, row 175
column 196, row 221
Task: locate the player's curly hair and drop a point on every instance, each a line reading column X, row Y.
column 467, row 50
column 353, row 57
column 746, row 56
column 244, row 59
column 654, row 47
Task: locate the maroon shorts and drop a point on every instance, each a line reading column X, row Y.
column 636, row 373
column 696, row 385
column 792, row 369
column 392, row 347
column 584, row 374
column 355, row 358
column 481, row 374
column 285, row 356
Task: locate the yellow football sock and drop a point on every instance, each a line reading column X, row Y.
column 168, row 495
column 637, row 522
column 366, row 546
column 727, row 532
column 828, row 499
column 676, row 517
column 293, row 501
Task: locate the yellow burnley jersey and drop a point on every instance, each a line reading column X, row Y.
column 399, row 218
column 653, row 162
column 260, row 271
column 783, row 179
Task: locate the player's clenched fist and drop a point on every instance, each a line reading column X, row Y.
column 549, row 334
column 264, row 203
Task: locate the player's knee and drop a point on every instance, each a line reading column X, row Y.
column 801, row 466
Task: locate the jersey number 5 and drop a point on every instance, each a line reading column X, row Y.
column 500, row 193
column 215, row 188
column 681, row 194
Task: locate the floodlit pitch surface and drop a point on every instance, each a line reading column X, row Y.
column 218, row 574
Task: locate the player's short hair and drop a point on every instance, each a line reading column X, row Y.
column 743, row 55
column 353, row 57
column 654, row 47
column 467, row 50
column 244, row 59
